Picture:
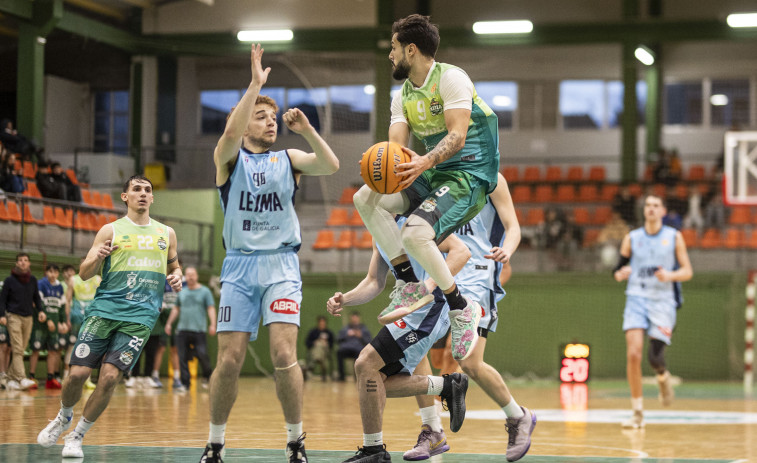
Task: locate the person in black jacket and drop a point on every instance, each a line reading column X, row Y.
column 19, row 302
column 351, row 339
column 319, row 343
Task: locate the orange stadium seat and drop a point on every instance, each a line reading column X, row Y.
column 107, row 201
column 565, row 194
column 696, row 173
column 29, row 170
column 29, row 217
column 511, row 174
column 355, row 219
column 734, row 238
column 609, row 191
column 751, row 240
column 581, row 216
column 597, row 174
column 690, row 237
column 711, row 239
column 32, row 190
column 365, row 241
column 86, row 196
column 347, row 194
column 543, row 194
column 64, row 217
column 346, row 239
column 575, row 174
column 553, row 174
column 338, row 218
column 590, row 237
column 48, row 215
column 602, row 215
column 532, row 174
column 324, row 240
column 97, row 198
column 4, row 216
column 14, row 213
column 534, row 216
column 588, row 193
column 740, row 215
column 521, row 194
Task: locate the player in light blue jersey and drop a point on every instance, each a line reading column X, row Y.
column 261, row 233
column 492, row 237
column 654, row 260
column 398, row 348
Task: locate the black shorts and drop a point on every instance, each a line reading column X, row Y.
column 390, row 352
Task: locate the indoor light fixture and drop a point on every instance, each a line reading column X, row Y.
column 644, row 54
column 742, row 20
column 522, row 26
column 279, row 35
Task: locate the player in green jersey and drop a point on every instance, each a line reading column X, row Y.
column 136, row 256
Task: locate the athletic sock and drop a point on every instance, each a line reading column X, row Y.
column 435, row 385
column 217, row 433
column 512, row 409
column 372, row 443
column 431, row 417
column 455, row 300
column 294, row 431
column 404, row 272
column 83, row 426
column 67, row 412
column 155, row 374
column 637, row 403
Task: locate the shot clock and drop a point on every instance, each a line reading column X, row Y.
column 574, row 363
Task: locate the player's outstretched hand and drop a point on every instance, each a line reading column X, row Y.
column 174, row 281
column 622, row 273
column 259, row 76
column 498, row 255
column 334, row 304
column 296, row 120
column 409, row 171
column 105, row 250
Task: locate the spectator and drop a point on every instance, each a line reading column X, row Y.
column 568, row 244
column 351, row 339
column 319, row 343
column 668, row 167
column 18, row 143
column 625, row 205
column 553, row 228
column 57, row 185
column 609, row 239
column 19, row 302
column 693, row 217
column 714, row 210
column 676, row 203
column 11, row 179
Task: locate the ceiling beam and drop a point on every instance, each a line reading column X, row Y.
column 18, row 8
column 100, row 32
column 95, row 7
column 144, row 4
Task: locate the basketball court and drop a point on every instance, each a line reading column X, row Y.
column 708, row 422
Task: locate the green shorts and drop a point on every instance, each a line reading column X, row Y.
column 42, row 338
column 102, row 340
column 446, row 199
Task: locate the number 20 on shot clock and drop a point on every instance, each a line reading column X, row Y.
column 574, row 363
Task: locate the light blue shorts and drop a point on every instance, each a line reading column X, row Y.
column 266, row 284
column 488, row 301
column 415, row 343
column 656, row 316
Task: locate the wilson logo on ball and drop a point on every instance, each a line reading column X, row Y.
column 378, row 167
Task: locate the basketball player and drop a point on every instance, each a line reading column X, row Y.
column 492, row 237
column 654, row 260
column 385, row 366
column 80, row 294
column 136, row 256
column 445, row 188
column 46, row 335
column 261, row 274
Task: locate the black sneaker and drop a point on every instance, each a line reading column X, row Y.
column 372, row 454
column 296, row 450
column 213, row 453
column 453, row 399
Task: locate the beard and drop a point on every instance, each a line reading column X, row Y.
column 401, row 70
column 265, row 142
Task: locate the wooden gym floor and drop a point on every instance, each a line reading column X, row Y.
column 709, row 422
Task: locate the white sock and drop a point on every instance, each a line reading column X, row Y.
column 370, row 440
column 294, row 431
column 435, row 385
column 67, row 412
column 217, row 433
column 512, row 409
column 176, row 374
column 83, row 426
column 637, row 403
column 431, row 417
column 155, row 374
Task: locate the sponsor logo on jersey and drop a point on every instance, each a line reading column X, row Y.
column 435, row 107
column 285, row 306
column 82, row 351
column 428, row 205
column 143, row 262
column 131, row 280
column 481, row 267
column 433, row 88
column 126, row 357
column 400, row 324
column 162, row 245
column 411, row 337
column 274, row 159
column 266, row 202
column 159, row 231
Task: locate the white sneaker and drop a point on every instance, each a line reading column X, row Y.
column 49, row 436
column 72, row 449
column 12, row 385
column 635, row 422
column 27, row 383
column 131, row 382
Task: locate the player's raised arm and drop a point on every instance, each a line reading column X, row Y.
column 322, row 161
column 365, row 291
column 101, row 248
column 503, row 203
column 227, row 149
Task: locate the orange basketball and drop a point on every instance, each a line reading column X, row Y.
column 378, row 167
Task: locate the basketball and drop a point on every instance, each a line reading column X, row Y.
column 378, row 167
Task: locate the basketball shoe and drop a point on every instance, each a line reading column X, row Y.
column 666, row 394
column 464, row 324
column 519, row 431
column 295, row 450
column 453, row 398
column 406, row 298
column 52, row 384
column 430, row 443
column 72, row 448
column 49, row 436
column 370, row 454
column 635, row 422
column 213, row 453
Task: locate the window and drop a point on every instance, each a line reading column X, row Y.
column 615, row 93
column 729, row 102
column 111, row 122
column 502, row 97
column 582, row 104
column 312, row 102
column 351, row 107
column 216, row 105
column 683, row 103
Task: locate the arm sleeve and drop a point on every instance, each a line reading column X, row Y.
column 397, row 114
column 456, row 89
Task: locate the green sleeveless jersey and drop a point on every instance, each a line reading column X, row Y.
column 423, row 108
column 134, row 275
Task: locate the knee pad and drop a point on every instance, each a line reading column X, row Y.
column 656, row 355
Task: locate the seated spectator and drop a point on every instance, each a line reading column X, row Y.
column 553, row 228
column 17, row 143
column 693, row 217
column 625, row 205
column 351, row 339
column 11, row 179
column 57, row 185
column 319, row 343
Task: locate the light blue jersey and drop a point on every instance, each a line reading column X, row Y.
column 418, row 331
column 479, row 278
column 648, row 253
column 258, row 203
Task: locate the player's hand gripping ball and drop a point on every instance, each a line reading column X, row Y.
column 378, row 167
